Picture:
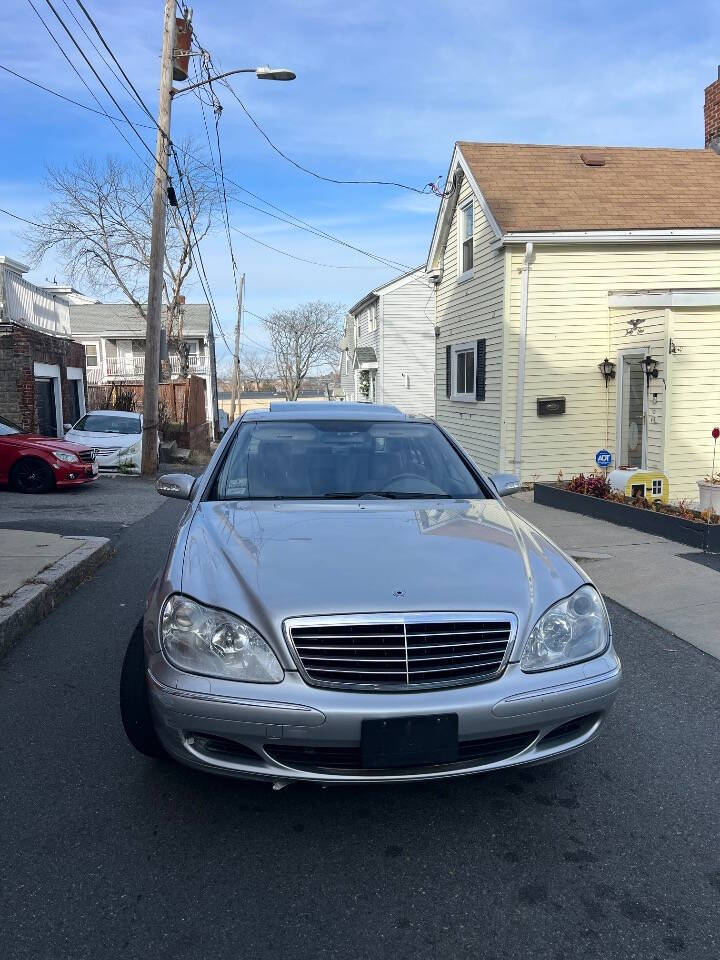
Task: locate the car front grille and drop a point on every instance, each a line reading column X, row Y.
column 349, row 759
column 87, row 456
column 108, row 451
column 401, row 652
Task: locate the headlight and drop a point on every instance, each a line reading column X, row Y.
column 214, row 643
column 572, row 630
column 130, row 451
column 66, row 456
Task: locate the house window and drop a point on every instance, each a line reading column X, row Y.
column 372, row 318
column 91, row 354
column 465, row 370
column 466, row 240
column 657, row 488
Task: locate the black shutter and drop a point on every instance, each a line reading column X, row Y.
column 448, row 370
column 480, row 371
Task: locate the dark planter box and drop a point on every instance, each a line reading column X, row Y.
column 702, row 536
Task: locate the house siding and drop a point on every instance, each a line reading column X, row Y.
column 408, row 347
column 469, row 311
column 693, row 399
column 571, row 328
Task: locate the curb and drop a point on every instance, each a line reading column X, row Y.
column 34, row 600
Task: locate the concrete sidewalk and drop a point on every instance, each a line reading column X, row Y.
column 653, row 577
column 37, row 570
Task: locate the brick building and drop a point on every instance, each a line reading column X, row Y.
column 42, row 371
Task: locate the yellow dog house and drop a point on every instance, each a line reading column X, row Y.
column 649, row 484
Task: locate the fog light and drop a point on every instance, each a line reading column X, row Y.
column 71, row 476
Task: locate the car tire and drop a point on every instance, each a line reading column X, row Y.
column 31, row 475
column 134, row 703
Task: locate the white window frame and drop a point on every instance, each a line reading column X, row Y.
column 464, row 275
column 357, row 328
column 51, row 371
column 469, row 346
column 98, row 363
column 75, row 375
column 372, row 318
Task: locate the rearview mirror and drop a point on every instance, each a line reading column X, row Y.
column 506, row 484
column 176, row 485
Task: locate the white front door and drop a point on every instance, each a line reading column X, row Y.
column 632, row 409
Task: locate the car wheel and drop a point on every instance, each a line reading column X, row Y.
column 30, row 475
column 134, row 704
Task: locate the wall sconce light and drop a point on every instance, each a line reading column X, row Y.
column 651, row 369
column 607, row 369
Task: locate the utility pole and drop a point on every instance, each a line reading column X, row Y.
column 235, row 389
column 157, row 250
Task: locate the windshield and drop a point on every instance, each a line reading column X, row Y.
column 107, row 423
column 343, row 459
column 7, row 427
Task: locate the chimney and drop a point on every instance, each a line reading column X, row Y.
column 712, row 115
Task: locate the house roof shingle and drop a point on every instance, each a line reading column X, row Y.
column 123, row 320
column 547, row 188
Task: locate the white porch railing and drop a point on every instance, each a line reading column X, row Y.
column 133, row 368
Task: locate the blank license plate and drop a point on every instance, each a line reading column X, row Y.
column 410, row 741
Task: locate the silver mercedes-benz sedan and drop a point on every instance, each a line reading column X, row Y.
column 348, row 599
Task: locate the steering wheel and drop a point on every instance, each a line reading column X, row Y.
column 389, row 484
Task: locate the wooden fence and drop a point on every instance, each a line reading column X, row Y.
column 182, row 407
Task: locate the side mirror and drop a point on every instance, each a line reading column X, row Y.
column 506, row 484
column 176, row 485
column 66, row 427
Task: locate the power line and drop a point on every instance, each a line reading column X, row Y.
column 292, row 256
column 318, row 176
column 296, row 222
column 201, row 271
column 116, row 61
column 76, row 103
column 85, row 84
column 99, row 78
column 94, row 46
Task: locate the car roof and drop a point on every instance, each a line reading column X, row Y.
column 317, row 410
column 116, row 413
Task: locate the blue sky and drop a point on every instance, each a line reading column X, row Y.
column 383, row 91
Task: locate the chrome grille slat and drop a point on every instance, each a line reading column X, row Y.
column 421, row 650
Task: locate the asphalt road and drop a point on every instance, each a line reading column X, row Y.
column 614, row 853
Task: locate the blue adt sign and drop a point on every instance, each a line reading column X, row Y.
column 603, row 458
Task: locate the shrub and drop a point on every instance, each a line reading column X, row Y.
column 594, row 485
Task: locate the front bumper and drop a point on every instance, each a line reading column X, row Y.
column 75, row 474
column 291, row 731
column 115, row 461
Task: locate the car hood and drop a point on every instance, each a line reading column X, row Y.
column 270, row 561
column 101, row 440
column 48, row 443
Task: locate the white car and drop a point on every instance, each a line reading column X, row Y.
column 115, row 435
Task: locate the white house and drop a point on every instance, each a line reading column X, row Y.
column 113, row 335
column 387, row 354
column 550, row 261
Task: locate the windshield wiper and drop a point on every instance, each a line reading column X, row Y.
column 387, row 494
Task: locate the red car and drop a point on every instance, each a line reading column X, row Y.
column 34, row 464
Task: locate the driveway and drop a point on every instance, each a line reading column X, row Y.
column 105, row 854
column 101, row 509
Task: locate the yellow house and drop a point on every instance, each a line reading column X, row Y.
column 549, row 261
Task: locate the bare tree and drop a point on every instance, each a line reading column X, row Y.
column 98, row 225
column 257, row 366
column 302, row 338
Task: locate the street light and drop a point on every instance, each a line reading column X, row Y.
column 262, row 73
column 274, row 73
